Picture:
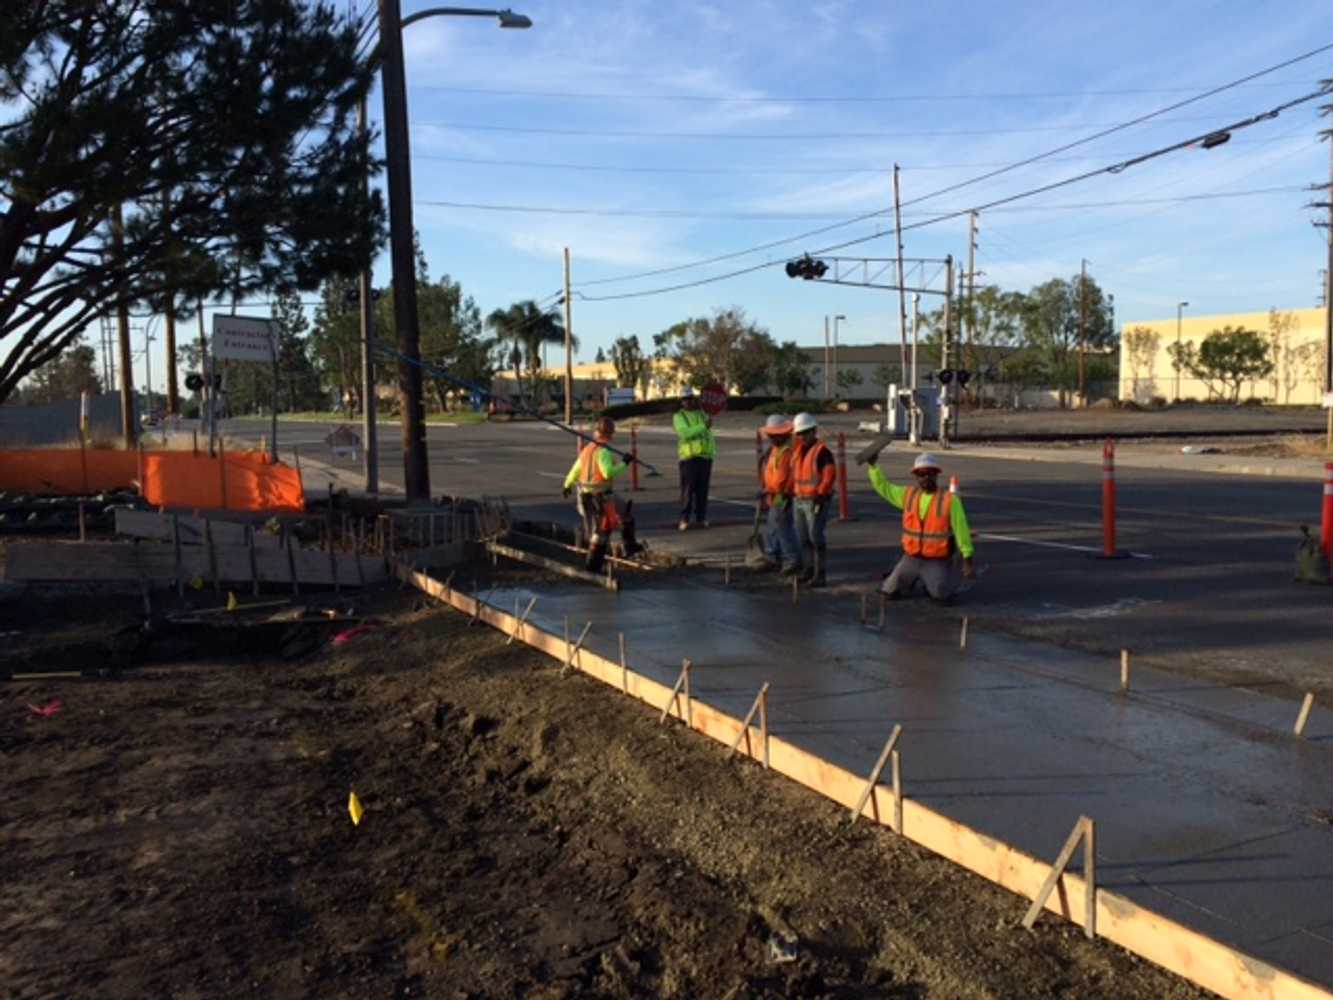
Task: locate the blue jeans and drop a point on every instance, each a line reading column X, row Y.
column 809, row 524
column 782, row 545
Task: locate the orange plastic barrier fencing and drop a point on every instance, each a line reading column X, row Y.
column 237, row 481
column 250, row 482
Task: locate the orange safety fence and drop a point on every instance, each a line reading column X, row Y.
column 242, row 481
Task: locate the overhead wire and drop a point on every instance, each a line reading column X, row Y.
column 1114, row 168
column 1027, row 161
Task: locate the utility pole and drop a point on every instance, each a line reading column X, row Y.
column 148, row 364
column 944, row 347
column 173, row 388
column 128, row 426
column 369, row 434
column 902, row 308
column 955, row 411
column 416, row 467
column 913, row 421
column 969, row 312
column 569, row 348
column 1328, row 300
column 827, row 359
column 1082, row 333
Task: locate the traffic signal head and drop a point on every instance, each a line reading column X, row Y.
column 946, row 376
column 194, row 381
column 807, row 268
column 963, row 376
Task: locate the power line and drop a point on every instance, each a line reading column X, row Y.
column 788, row 216
column 1114, row 168
column 814, row 170
column 827, row 99
column 953, row 187
column 788, row 136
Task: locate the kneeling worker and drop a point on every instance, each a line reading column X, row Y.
column 592, row 473
column 935, row 532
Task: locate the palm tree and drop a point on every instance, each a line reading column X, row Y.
column 526, row 328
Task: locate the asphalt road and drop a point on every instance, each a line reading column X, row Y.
column 1209, row 591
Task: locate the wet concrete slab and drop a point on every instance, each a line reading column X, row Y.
column 1208, row 810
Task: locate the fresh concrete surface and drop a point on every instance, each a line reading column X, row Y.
column 1215, row 599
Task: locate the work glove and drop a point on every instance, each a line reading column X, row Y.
column 566, row 492
column 820, row 505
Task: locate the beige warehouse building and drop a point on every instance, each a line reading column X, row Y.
column 1296, row 347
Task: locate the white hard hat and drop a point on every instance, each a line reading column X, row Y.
column 926, row 461
column 777, row 423
column 805, row 422
column 687, row 392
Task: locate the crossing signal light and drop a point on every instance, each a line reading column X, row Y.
column 194, row 381
column 807, row 268
column 946, row 376
column 964, row 376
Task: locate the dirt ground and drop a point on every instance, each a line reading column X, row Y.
column 182, row 830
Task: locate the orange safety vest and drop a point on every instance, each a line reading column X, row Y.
column 810, row 482
column 930, row 537
column 778, row 471
column 591, row 479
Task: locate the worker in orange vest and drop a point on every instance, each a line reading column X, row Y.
column 592, row 474
column 779, row 477
column 935, row 532
column 816, row 474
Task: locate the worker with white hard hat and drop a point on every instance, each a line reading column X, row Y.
column 816, row 476
column 935, row 532
column 778, row 472
column 696, row 448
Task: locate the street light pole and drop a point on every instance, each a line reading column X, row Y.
column 826, row 359
column 369, row 433
column 398, row 174
column 1180, row 307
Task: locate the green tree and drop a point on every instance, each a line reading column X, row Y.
column 726, row 347
column 65, row 377
column 300, row 379
column 335, row 341
column 848, row 379
column 1228, row 358
column 225, row 131
column 601, row 357
column 791, row 376
column 627, row 357
column 524, row 328
column 1051, row 322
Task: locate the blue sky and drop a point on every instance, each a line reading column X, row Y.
column 729, row 125
column 717, row 98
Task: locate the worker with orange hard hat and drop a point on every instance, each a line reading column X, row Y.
column 779, row 477
column 935, row 532
column 592, row 474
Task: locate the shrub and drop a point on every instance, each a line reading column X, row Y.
column 1157, row 402
column 1253, row 401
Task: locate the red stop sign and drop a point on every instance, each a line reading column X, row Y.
column 713, row 399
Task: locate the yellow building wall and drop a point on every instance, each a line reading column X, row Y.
column 1296, row 346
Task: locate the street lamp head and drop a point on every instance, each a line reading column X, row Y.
column 508, row 19
column 843, row 318
column 1183, row 305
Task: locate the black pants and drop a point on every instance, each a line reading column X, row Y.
column 694, row 476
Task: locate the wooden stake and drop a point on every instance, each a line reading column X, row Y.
column 291, row 561
column 624, row 666
column 793, row 590
column 1083, row 830
column 83, row 524
column 883, row 603
column 759, row 705
column 1304, row 716
column 1124, row 670
column 864, row 599
column 896, row 769
column 726, row 572
column 682, row 682
column 962, row 636
column 254, row 569
column 176, row 544
column 212, row 556
column 569, row 662
column 878, row 769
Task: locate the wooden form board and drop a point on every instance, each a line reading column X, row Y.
column 1186, row 952
column 155, row 564
column 158, row 527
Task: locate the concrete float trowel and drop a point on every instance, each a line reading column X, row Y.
column 756, row 557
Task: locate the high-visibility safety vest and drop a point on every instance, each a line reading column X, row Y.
column 700, row 443
column 928, row 537
column 778, row 471
column 591, row 477
column 810, row 480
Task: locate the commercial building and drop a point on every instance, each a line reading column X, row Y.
column 1295, row 339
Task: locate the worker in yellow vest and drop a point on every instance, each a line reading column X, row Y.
column 592, row 474
column 935, row 532
column 696, row 448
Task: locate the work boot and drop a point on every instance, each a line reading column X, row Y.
column 596, row 554
column 821, row 564
column 790, row 569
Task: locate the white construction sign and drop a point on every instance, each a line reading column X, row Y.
column 243, row 338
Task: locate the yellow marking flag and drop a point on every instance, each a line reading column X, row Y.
column 354, row 808
column 231, row 601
